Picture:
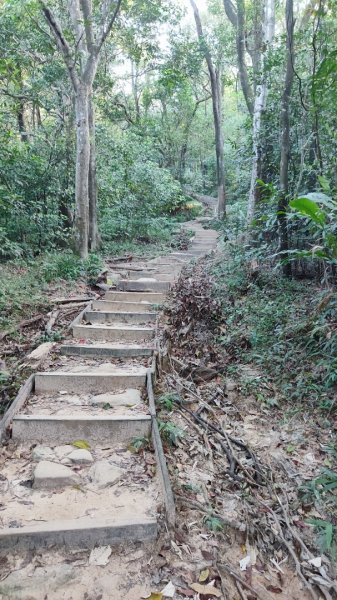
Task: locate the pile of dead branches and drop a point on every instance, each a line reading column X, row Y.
column 193, row 317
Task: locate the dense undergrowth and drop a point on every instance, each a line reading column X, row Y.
column 285, row 328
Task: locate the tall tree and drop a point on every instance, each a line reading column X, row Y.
column 285, row 138
column 81, row 61
column 259, row 106
column 214, row 76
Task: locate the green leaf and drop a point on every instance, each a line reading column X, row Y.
column 308, row 208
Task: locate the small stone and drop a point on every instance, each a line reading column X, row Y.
column 80, row 457
column 50, row 475
column 230, row 385
column 63, row 451
column 103, row 474
column 42, row 453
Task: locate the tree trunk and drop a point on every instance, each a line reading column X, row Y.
column 285, row 142
column 240, row 49
column 259, row 107
column 92, row 179
column 217, row 116
column 82, row 170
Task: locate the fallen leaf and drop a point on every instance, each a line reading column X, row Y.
column 274, row 589
column 185, row 592
column 244, row 562
column 82, row 444
column 100, row 556
column 205, row 589
column 153, row 596
column 204, row 575
column 316, row 562
column 169, row 590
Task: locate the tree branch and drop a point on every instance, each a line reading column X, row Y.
column 230, row 12
column 106, row 27
column 61, row 42
column 86, row 7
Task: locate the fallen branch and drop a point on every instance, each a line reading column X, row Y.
column 228, row 569
column 71, row 300
column 22, row 325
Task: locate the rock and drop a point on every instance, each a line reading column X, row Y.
column 42, row 453
column 63, row 451
column 103, row 474
column 50, row 475
column 41, row 352
column 230, row 385
column 80, row 457
column 128, row 398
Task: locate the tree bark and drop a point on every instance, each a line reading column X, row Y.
column 259, row 107
column 285, row 141
column 240, row 49
column 82, row 170
column 92, row 179
column 217, row 116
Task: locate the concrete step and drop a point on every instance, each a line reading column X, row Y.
column 61, row 495
column 80, row 533
column 117, row 333
column 143, row 285
column 116, row 306
column 140, row 296
column 59, row 429
column 103, row 350
column 119, row 317
column 85, row 382
column 158, row 275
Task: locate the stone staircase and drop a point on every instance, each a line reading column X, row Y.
column 70, row 477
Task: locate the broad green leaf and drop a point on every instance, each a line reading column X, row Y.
column 308, row 208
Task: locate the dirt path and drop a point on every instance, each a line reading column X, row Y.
column 70, row 480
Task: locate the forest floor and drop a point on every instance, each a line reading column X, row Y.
column 249, row 429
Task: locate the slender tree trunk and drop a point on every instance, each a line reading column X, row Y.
column 82, row 170
column 259, row 107
column 217, row 115
column 240, row 49
column 92, row 179
column 285, row 141
column 21, row 121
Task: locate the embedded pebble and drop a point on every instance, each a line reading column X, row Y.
column 80, row 457
column 49, row 475
column 103, row 474
column 42, row 453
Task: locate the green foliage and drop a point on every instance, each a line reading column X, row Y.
column 213, row 523
column 276, row 326
column 138, row 444
column 69, row 266
column 170, row 432
column 321, row 212
column 167, row 400
column 328, row 535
